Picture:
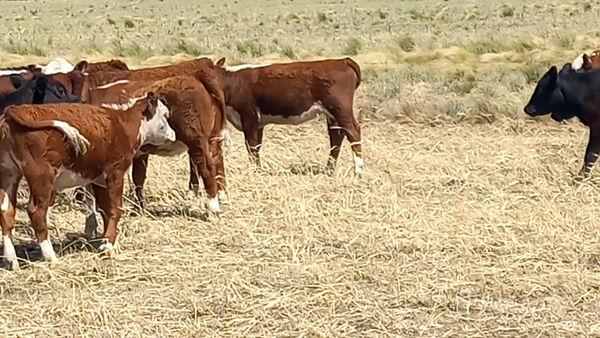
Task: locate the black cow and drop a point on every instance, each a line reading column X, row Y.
column 37, row 90
column 571, row 94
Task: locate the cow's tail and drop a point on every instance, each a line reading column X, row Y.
column 356, row 68
column 75, row 140
column 213, row 86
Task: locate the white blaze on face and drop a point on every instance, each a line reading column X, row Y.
column 577, row 63
column 157, row 131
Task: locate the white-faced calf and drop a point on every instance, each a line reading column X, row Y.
column 65, row 145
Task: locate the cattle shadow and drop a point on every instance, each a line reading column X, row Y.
column 30, row 252
column 162, row 211
column 301, row 169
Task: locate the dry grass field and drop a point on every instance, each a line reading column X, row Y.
column 466, row 222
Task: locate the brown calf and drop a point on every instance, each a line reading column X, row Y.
column 97, row 84
column 197, row 111
column 99, row 79
column 100, row 144
column 112, row 65
column 293, row 93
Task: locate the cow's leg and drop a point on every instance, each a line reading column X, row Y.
column 79, row 194
column 8, row 198
column 221, row 179
column 91, row 220
column 37, row 208
column 253, row 134
column 110, row 201
column 216, row 148
column 139, row 168
column 206, row 167
column 591, row 152
column 336, row 137
column 194, row 185
column 343, row 115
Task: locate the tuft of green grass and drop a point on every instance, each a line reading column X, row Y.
column 23, row 48
column 253, row 48
column 128, row 23
column 353, row 46
column 564, row 40
column 321, row 17
column 288, row 51
column 406, row 43
column 495, row 45
column 506, row 11
column 533, row 72
column 132, row 49
column 182, row 46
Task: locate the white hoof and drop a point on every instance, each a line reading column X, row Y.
column 213, row 205
column 222, row 195
column 10, row 254
column 358, row 164
column 48, row 251
column 108, row 247
column 193, row 192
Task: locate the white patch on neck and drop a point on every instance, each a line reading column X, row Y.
column 577, row 63
column 108, row 85
column 123, row 106
column 240, row 67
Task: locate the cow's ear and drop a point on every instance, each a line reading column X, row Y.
column 81, row 66
column 553, row 74
column 587, row 61
column 152, row 103
column 34, row 69
column 41, row 84
column 220, row 62
column 17, row 80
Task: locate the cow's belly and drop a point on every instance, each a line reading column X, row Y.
column 316, row 109
column 167, row 150
column 310, row 114
column 233, row 117
column 66, row 179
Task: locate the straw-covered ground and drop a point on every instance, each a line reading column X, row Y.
column 466, row 221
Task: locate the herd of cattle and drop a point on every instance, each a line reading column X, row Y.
column 86, row 126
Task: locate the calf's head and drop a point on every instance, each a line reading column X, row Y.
column 41, row 89
column 547, row 98
column 76, row 81
column 155, row 129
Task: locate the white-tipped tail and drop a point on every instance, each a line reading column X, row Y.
column 79, row 143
